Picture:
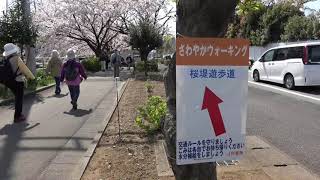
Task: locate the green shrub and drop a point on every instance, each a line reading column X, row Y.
column 150, row 115
column 149, row 87
column 151, row 65
column 32, row 84
column 92, row 64
column 42, row 79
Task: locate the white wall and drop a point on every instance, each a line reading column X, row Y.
column 256, row 51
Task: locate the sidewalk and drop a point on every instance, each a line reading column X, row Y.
column 262, row 161
column 55, row 138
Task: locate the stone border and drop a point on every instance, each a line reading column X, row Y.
column 6, row 101
column 163, row 166
column 84, row 162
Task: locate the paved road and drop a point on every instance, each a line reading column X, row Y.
column 289, row 121
column 304, row 91
column 27, row 150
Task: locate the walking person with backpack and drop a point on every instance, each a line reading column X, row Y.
column 116, row 61
column 74, row 74
column 54, row 69
column 13, row 74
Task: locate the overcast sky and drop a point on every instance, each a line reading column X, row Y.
column 2, row 5
column 313, row 5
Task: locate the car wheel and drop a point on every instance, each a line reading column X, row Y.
column 289, row 81
column 256, row 76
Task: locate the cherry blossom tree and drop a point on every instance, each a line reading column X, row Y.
column 99, row 25
column 81, row 21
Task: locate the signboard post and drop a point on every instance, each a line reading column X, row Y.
column 212, row 87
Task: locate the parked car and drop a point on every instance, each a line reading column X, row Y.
column 291, row 65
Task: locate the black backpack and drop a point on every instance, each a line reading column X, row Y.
column 71, row 72
column 6, row 73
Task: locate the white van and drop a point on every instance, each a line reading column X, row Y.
column 291, row 65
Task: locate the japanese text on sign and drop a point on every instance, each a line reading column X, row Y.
column 211, row 50
column 212, row 73
column 208, row 148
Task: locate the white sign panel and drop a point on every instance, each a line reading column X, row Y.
column 212, row 86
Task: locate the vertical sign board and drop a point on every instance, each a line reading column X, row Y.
column 212, row 87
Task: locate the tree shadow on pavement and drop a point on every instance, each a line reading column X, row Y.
column 14, row 133
column 12, row 129
column 29, row 101
column 79, row 112
column 32, row 98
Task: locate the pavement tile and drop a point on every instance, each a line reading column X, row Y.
column 270, row 157
column 259, row 164
column 247, row 163
column 77, row 145
column 57, row 172
column 67, row 158
column 292, row 172
column 244, row 175
column 255, row 142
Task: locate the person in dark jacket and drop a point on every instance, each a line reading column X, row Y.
column 17, row 84
column 116, row 62
column 74, row 74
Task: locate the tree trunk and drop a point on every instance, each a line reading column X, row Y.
column 204, row 18
column 31, row 60
column 195, row 18
column 146, row 68
column 29, row 49
column 107, row 65
column 144, row 58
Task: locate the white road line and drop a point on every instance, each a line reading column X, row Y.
column 286, row 91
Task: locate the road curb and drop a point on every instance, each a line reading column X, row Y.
column 83, row 163
column 7, row 101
